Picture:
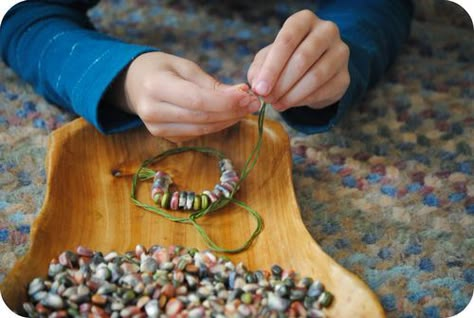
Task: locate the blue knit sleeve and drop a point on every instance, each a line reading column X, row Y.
column 53, row 46
column 374, row 30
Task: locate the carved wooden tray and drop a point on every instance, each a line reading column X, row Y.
column 88, row 204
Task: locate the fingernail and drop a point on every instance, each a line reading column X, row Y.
column 244, row 87
column 262, row 88
column 254, row 106
column 237, row 87
column 244, row 101
column 241, row 88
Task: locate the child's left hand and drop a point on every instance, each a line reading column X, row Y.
column 306, row 65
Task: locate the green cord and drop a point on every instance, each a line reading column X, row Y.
column 144, row 173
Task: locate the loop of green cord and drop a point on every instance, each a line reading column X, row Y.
column 145, row 173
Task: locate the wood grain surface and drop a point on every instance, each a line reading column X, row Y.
column 88, row 203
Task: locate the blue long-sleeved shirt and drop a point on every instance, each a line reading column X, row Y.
column 52, row 45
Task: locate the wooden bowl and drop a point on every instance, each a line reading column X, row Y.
column 88, row 203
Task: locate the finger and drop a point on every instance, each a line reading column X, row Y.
column 331, row 92
column 256, row 65
column 321, row 72
column 292, row 33
column 308, row 52
column 171, row 130
column 191, row 72
column 186, row 94
column 164, row 112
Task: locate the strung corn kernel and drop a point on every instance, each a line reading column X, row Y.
column 189, row 200
column 160, row 174
column 219, row 188
column 204, row 201
column 162, row 179
column 212, row 197
column 217, row 193
column 165, row 200
column 182, row 200
column 197, row 202
column 225, row 164
column 229, row 175
column 161, row 183
column 155, row 191
column 156, row 197
column 174, row 200
column 228, row 186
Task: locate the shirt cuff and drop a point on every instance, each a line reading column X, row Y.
column 105, row 117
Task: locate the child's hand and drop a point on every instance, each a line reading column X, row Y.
column 177, row 100
column 307, row 64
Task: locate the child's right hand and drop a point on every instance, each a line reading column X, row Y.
column 176, row 99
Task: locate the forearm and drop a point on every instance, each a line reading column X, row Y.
column 53, row 46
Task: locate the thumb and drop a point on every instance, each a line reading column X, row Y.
column 199, row 77
column 236, row 94
column 205, row 80
column 241, row 88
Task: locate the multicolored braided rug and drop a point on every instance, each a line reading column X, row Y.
column 389, row 194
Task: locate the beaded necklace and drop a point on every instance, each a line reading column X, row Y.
column 209, row 200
